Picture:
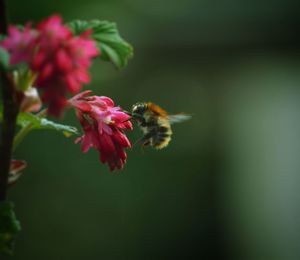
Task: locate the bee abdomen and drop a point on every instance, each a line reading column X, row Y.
column 162, row 142
column 163, row 137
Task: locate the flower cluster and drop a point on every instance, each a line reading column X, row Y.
column 103, row 125
column 59, row 59
column 57, row 65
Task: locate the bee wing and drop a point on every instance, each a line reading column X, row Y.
column 178, row 118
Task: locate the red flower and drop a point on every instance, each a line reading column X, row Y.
column 58, row 58
column 20, row 43
column 103, row 126
column 61, row 61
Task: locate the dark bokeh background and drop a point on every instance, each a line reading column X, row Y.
column 227, row 187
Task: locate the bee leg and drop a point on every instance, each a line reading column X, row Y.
column 143, row 141
column 142, row 144
column 142, row 122
column 146, row 139
column 146, row 143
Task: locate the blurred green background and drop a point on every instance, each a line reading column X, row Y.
column 227, row 187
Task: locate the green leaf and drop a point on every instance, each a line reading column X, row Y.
column 25, row 119
column 9, row 227
column 4, row 58
column 113, row 47
column 22, row 66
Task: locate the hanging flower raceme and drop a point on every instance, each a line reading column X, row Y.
column 103, row 125
column 59, row 60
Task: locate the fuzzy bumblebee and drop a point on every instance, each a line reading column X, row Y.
column 155, row 123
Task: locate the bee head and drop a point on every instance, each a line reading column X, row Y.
column 138, row 110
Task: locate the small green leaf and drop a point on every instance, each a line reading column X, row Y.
column 113, row 47
column 4, row 58
column 9, row 227
column 22, row 66
column 24, row 119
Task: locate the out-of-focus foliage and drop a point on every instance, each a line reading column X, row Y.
column 9, row 228
column 4, row 58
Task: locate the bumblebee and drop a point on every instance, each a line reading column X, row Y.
column 155, row 123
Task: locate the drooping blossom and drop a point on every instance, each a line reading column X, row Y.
column 61, row 62
column 58, row 59
column 20, row 43
column 103, row 125
column 15, row 172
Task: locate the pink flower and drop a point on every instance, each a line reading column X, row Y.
column 20, row 43
column 103, row 125
column 61, row 62
column 58, row 58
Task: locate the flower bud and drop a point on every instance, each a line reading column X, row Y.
column 31, row 101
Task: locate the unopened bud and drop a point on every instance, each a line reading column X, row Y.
column 31, row 101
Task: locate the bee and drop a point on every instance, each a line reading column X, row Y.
column 155, row 123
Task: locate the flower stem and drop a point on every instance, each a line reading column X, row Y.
column 26, row 129
column 3, row 17
column 10, row 112
column 20, row 135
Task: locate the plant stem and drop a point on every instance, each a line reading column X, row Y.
column 3, row 17
column 10, row 112
column 20, row 135
column 26, row 129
